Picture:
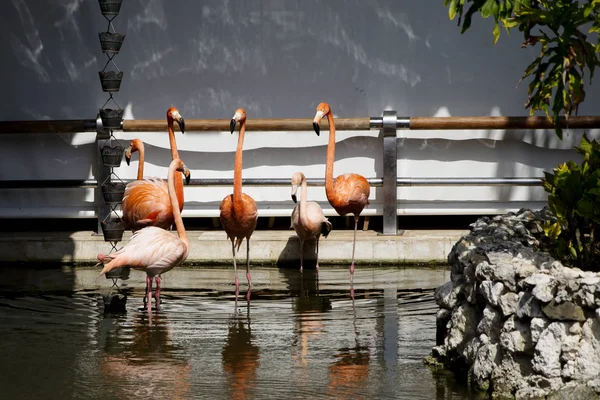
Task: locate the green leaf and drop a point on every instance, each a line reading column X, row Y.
column 452, row 9
column 552, row 230
column 488, row 8
column 585, row 147
column 496, row 32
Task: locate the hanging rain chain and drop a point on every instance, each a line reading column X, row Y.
column 112, row 150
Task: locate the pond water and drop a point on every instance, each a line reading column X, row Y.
column 298, row 336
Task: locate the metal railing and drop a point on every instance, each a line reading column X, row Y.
column 388, row 124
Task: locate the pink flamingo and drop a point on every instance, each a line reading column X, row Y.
column 153, row 249
column 238, row 210
column 307, row 218
column 146, row 200
column 348, row 193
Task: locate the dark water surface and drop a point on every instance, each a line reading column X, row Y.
column 299, row 336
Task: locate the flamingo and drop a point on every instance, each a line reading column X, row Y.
column 307, row 218
column 146, row 200
column 238, row 212
column 136, row 145
column 152, row 249
column 348, row 193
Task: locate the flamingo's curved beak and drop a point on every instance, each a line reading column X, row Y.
column 232, row 125
column 187, row 174
column 294, row 190
column 128, row 155
column 181, row 123
column 318, row 117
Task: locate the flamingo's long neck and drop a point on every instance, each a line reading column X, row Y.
column 174, row 155
column 141, row 151
column 330, row 157
column 237, row 172
column 303, row 211
column 172, row 143
column 175, row 206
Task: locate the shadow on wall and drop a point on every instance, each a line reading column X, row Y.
column 289, row 258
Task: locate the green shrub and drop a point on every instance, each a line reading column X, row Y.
column 575, row 201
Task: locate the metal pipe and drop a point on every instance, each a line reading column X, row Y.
column 48, row 126
column 390, row 173
column 469, row 181
column 305, row 124
column 255, row 124
column 465, row 123
column 374, row 182
column 49, row 184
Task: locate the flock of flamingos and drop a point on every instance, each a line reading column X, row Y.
column 151, row 206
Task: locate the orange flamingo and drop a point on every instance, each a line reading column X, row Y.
column 146, row 200
column 348, row 193
column 307, row 218
column 153, row 249
column 136, row 145
column 238, row 210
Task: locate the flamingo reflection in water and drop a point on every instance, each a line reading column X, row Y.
column 349, row 375
column 138, row 359
column 240, row 355
column 309, row 307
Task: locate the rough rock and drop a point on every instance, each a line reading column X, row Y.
column 470, row 349
column 569, row 351
column 510, row 375
column 461, row 327
column 446, row 295
column 567, row 311
column 585, row 296
column 509, row 303
column 546, row 359
column 572, row 391
column 528, row 306
column 490, row 323
column 544, row 286
column 537, row 326
column 491, row 291
column 523, row 324
column 487, row 358
column 587, row 361
column 517, row 339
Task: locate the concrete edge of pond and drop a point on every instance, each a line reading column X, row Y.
column 266, row 247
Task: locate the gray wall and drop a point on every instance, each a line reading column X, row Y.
column 277, row 59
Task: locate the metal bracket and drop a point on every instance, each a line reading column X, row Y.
column 102, row 132
column 390, row 173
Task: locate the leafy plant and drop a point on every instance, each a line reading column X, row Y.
column 557, row 74
column 575, row 199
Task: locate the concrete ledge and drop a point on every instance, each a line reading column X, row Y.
column 266, row 247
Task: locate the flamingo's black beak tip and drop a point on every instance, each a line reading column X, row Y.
column 188, row 177
column 294, row 198
column 317, row 128
column 181, row 123
column 232, row 125
column 127, row 160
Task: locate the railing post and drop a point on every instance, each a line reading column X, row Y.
column 102, row 172
column 390, row 172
